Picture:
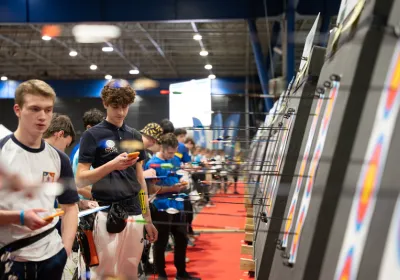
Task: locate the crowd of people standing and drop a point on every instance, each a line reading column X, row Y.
column 134, row 176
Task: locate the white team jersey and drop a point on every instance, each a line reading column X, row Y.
column 45, row 164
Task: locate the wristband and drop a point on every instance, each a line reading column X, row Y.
column 22, row 217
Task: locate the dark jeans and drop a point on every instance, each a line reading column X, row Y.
column 51, row 268
column 179, row 232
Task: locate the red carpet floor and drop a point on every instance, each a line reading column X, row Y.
column 216, row 255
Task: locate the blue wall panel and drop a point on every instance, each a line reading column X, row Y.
column 64, row 11
column 52, row 11
column 92, row 88
column 13, row 11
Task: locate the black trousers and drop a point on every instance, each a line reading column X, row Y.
column 189, row 215
column 51, row 268
column 235, row 179
column 201, row 187
column 178, row 231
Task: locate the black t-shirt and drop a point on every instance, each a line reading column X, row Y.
column 101, row 144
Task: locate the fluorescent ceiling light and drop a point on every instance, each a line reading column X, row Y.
column 197, row 37
column 46, row 38
column 211, row 76
column 108, row 77
column 91, row 33
column 4, row 78
column 208, row 66
column 73, row 53
column 93, row 67
column 134, row 71
column 204, row 53
column 107, row 49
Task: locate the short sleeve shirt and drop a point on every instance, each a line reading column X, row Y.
column 45, row 164
column 101, row 144
column 182, row 153
column 163, row 201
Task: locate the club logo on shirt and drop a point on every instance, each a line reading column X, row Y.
column 48, row 177
column 110, row 146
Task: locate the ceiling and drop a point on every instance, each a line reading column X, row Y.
column 158, row 50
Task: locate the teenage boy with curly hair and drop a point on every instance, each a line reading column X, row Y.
column 116, row 181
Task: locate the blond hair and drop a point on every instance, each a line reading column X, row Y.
column 34, row 87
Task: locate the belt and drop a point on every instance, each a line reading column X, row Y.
column 125, row 202
column 132, row 204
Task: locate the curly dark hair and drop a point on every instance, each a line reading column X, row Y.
column 92, row 117
column 118, row 93
column 60, row 123
column 180, row 131
column 169, row 140
column 167, row 126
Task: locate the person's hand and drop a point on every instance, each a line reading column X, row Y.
column 150, row 173
column 33, row 221
column 179, row 187
column 182, row 187
column 88, row 204
column 151, row 232
column 122, row 162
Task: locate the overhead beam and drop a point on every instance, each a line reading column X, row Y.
column 65, row 45
column 259, row 58
column 158, row 48
column 35, row 54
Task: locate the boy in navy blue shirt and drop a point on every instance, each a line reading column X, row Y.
column 173, row 223
column 116, row 179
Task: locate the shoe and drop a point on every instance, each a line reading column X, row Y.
column 190, row 243
column 186, row 276
column 187, row 260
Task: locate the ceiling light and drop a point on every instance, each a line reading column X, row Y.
column 204, row 53
column 93, row 67
column 73, row 53
column 4, row 78
column 134, row 71
column 197, row 37
column 95, row 33
column 211, row 76
column 107, row 49
column 46, row 38
column 108, row 77
column 208, row 66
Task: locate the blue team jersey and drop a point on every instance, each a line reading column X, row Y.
column 164, row 201
column 181, row 155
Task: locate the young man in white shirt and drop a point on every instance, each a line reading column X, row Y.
column 37, row 250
